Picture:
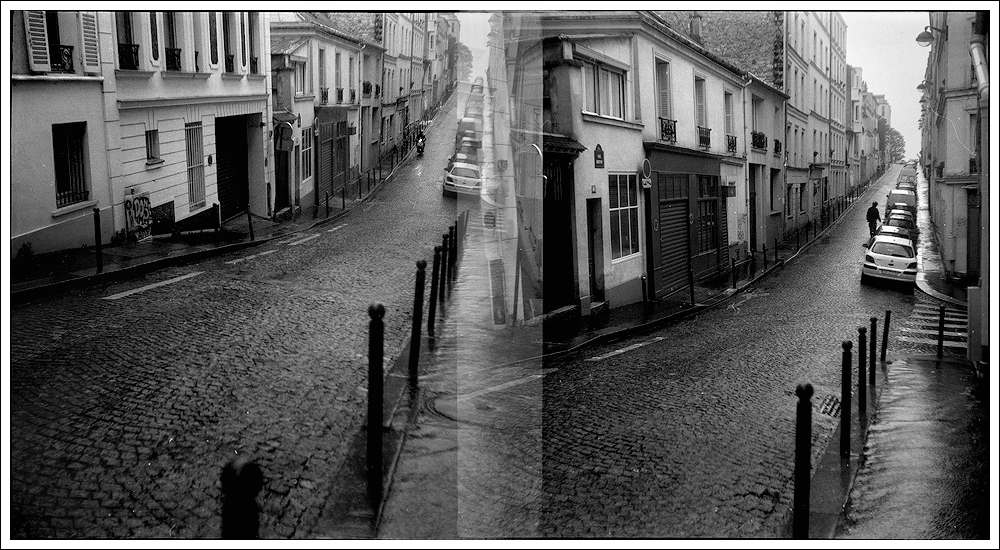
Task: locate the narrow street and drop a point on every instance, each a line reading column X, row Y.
column 125, row 406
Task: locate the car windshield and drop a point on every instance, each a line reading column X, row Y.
column 465, row 173
column 892, row 249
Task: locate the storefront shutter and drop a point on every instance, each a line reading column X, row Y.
column 37, row 39
column 91, row 42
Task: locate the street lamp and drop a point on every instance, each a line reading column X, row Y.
column 926, row 37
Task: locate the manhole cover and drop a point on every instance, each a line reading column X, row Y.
column 830, row 406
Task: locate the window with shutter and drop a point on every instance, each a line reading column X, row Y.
column 699, row 88
column 213, row 38
column 91, row 44
column 37, row 41
column 663, row 82
column 154, row 40
column 728, row 98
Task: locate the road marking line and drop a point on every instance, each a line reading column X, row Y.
column 503, row 386
column 625, row 349
column 250, row 257
column 336, row 228
column 305, row 240
column 152, row 286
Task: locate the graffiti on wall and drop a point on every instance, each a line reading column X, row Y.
column 138, row 217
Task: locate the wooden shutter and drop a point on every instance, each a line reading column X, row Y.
column 699, row 88
column 729, row 113
column 663, row 81
column 91, row 43
column 37, row 41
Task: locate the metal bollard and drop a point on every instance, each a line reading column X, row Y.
column 862, row 393
column 98, row 245
column 940, row 347
column 327, row 204
column 444, row 266
column 845, row 400
column 776, row 251
column 418, row 317
column 453, row 252
column 691, row 282
column 343, row 197
column 873, row 333
column 250, row 222
column 376, row 329
column 764, row 254
column 796, row 239
column 732, row 263
column 241, row 480
column 432, row 305
column 885, row 333
column 803, row 449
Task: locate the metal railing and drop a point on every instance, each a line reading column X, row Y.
column 253, row 65
column 230, row 63
column 340, row 95
column 731, row 144
column 62, row 62
column 777, row 147
column 758, row 140
column 668, row 130
column 173, row 59
column 704, row 137
column 324, row 95
column 197, row 67
column 354, row 95
column 973, row 166
column 366, row 89
column 128, row 56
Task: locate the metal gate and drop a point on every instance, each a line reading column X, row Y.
column 231, row 169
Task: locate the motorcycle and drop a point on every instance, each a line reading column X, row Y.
column 420, row 146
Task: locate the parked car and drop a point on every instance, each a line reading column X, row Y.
column 901, row 206
column 890, row 258
column 907, row 186
column 463, row 158
column 900, row 221
column 462, row 178
column 904, row 196
column 901, row 212
column 895, row 231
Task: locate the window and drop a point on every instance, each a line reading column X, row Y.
column 322, row 68
column 49, row 37
column 708, row 213
column 173, row 53
column 227, row 40
column 663, row 85
column 307, row 140
column 213, row 37
column 195, row 164
column 699, row 94
column 623, row 206
column 336, row 77
column 254, row 18
column 154, row 44
column 604, row 89
column 243, row 39
column 70, row 162
column 300, row 78
column 728, row 105
column 153, row 147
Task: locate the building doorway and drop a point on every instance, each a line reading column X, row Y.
column 232, row 171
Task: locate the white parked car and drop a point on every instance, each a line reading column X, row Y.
column 462, row 178
column 890, row 258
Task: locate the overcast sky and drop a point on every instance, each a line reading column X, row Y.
column 884, row 45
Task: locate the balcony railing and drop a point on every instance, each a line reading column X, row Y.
column 777, row 147
column 354, row 95
column 366, row 89
column 378, row 89
column 973, row 166
column 72, row 196
column 324, row 95
column 253, row 65
column 230, row 63
column 668, row 130
column 758, row 140
column 128, row 56
column 197, row 66
column 704, row 137
column 62, row 61
column 731, row 143
column 173, row 59
column 340, row 95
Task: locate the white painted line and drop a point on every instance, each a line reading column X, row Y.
column 336, row 228
column 154, row 285
column 499, row 387
column 625, row 349
column 305, row 240
column 250, row 257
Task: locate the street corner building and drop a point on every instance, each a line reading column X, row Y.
column 153, row 121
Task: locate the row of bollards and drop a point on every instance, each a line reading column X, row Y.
column 803, row 415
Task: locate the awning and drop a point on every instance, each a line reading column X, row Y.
column 284, row 116
column 561, row 143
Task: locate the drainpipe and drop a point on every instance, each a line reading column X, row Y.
column 746, row 173
column 977, row 49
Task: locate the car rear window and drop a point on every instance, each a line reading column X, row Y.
column 892, row 249
column 465, row 173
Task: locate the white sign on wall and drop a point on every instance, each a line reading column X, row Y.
column 138, row 217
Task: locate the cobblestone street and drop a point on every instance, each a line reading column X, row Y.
column 123, row 411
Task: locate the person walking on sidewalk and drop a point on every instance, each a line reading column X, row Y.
column 873, row 219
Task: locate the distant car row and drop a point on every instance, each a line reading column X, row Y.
column 891, row 253
column 463, row 176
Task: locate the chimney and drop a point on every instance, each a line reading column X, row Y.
column 696, row 27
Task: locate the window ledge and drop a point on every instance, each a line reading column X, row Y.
column 310, row 97
column 252, row 76
column 777, row 213
column 153, row 162
column 55, row 77
column 232, row 76
column 129, row 73
column 626, row 258
column 73, row 208
column 182, row 74
column 601, row 119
